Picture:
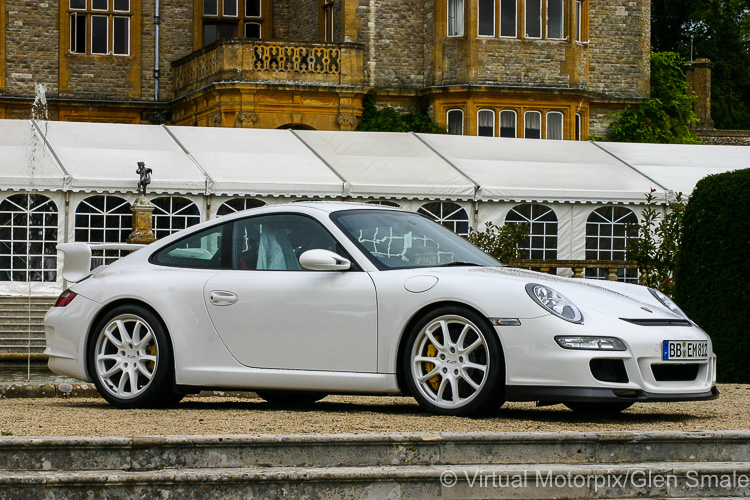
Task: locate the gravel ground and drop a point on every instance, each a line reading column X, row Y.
column 350, row 414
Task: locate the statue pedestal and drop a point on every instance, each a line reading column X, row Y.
column 142, row 222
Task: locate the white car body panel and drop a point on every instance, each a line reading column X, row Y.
column 340, row 331
column 298, row 320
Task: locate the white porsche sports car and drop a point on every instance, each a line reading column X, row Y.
column 302, row 300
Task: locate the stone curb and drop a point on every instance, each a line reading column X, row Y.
column 36, row 390
column 84, row 390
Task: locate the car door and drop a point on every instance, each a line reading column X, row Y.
column 271, row 313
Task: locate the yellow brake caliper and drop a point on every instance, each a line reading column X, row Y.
column 152, row 351
column 434, row 381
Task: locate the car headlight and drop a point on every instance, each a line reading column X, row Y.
column 591, row 343
column 554, row 302
column 668, row 303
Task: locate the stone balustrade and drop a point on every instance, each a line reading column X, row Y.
column 578, row 267
column 243, row 60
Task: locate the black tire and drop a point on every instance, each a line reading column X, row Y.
column 598, row 408
column 120, row 362
column 291, row 398
column 473, row 391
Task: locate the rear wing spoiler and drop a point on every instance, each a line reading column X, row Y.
column 77, row 257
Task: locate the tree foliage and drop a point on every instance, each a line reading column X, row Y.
column 501, row 242
column 390, row 120
column 720, row 31
column 667, row 117
column 712, row 277
column 656, row 244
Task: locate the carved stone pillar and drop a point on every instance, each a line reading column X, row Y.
column 142, row 222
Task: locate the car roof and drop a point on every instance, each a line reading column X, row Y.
column 336, row 206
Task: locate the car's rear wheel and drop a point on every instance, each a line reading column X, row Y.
column 598, row 408
column 130, row 359
column 453, row 363
column 291, row 398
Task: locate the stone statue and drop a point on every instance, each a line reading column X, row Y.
column 145, row 174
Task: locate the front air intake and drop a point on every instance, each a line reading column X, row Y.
column 609, row 370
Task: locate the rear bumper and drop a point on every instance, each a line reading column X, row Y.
column 599, row 395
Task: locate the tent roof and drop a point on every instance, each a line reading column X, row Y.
column 104, row 157
column 388, row 164
column 537, row 170
column 26, row 162
column 260, row 162
column 679, row 167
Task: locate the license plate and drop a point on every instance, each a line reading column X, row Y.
column 680, row 350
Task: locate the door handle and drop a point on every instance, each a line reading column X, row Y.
column 222, row 298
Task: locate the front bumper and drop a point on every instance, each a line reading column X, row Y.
column 599, row 395
column 537, row 369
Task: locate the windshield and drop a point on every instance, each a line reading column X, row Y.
column 397, row 240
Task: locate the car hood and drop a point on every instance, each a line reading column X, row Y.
column 622, row 300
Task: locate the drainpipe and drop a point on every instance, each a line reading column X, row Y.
column 157, row 22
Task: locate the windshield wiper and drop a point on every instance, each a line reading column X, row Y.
column 458, row 263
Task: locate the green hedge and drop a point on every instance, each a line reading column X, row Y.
column 712, row 279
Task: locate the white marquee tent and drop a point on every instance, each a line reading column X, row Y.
column 486, row 178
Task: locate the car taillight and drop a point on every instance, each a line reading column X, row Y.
column 65, row 298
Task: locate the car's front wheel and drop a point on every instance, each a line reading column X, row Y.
column 453, row 363
column 130, row 359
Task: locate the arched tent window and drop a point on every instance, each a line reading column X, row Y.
column 103, row 219
column 28, row 238
column 173, row 213
column 385, row 203
column 447, row 214
column 238, row 205
column 542, row 221
column 606, row 239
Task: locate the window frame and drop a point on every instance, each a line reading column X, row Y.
column 239, row 22
column 28, row 205
column 460, row 8
column 562, row 20
column 541, row 125
column 329, row 15
column 493, row 17
column 485, row 110
column 88, row 14
column 526, row 20
column 614, row 222
column 536, row 220
column 515, row 123
column 447, row 210
column 340, row 250
column 225, row 258
column 547, row 124
column 514, row 3
column 448, row 121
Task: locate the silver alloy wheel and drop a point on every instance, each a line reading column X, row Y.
column 126, row 356
column 450, row 361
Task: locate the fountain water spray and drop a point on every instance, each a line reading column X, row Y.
column 39, row 108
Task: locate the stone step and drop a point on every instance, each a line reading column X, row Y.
column 356, row 450
column 16, row 299
column 21, row 326
column 649, row 480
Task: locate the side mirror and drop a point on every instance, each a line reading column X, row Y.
column 323, row 260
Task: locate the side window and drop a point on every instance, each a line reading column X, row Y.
column 275, row 242
column 200, row 250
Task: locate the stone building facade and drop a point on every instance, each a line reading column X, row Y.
column 526, row 68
